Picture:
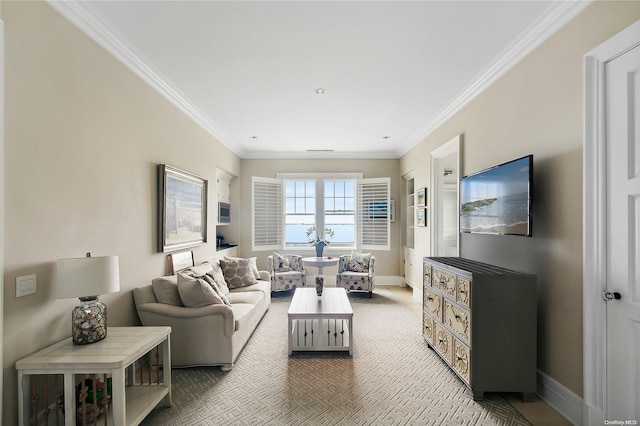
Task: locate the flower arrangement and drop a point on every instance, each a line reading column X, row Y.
column 317, row 240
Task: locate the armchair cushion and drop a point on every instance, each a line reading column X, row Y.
column 359, row 262
column 280, row 262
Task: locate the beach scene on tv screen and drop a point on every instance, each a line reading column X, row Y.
column 496, row 201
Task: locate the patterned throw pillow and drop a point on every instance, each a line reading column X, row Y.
column 218, row 277
column 238, row 273
column 280, row 262
column 196, row 292
column 214, row 285
column 253, row 262
column 359, row 262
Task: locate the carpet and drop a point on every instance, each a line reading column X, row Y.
column 393, row 378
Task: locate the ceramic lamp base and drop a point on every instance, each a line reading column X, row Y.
column 89, row 322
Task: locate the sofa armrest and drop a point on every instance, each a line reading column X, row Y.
column 152, row 314
column 264, row 276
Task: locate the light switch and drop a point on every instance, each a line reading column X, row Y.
column 26, row 285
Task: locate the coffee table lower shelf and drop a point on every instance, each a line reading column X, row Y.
column 320, row 335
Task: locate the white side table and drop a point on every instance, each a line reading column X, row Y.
column 113, row 355
column 320, row 263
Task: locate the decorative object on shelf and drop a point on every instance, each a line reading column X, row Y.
column 422, row 197
column 317, row 242
column 319, row 284
column 182, row 199
column 87, row 278
column 421, row 216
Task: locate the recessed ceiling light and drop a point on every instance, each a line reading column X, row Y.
column 320, row 91
column 254, row 137
column 386, row 137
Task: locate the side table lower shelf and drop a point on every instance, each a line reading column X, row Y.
column 118, row 355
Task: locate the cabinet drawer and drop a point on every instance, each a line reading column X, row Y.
column 462, row 360
column 444, row 281
column 427, row 327
column 458, row 319
column 426, row 271
column 443, row 342
column 432, row 303
column 463, row 294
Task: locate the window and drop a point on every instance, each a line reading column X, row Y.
column 355, row 209
column 340, row 211
column 300, row 211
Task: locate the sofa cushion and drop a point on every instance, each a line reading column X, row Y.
column 166, row 290
column 196, row 292
column 237, row 272
column 253, row 261
column 201, row 269
column 250, row 297
column 359, row 262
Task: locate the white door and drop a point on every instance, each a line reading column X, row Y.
column 622, row 121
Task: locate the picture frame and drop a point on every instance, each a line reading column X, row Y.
column 182, row 209
column 421, row 196
column 421, row 217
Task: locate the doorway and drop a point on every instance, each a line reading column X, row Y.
column 445, row 200
column 611, row 230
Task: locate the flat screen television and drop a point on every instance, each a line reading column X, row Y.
column 498, row 200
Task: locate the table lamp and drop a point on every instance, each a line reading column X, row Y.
column 87, row 278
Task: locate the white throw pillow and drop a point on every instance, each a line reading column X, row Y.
column 196, row 292
column 280, row 262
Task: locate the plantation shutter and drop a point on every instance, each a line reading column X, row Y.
column 373, row 221
column 267, row 213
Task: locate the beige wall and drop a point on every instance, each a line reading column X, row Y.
column 83, row 137
column 388, row 263
column 537, row 108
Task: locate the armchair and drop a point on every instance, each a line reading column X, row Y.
column 356, row 273
column 286, row 271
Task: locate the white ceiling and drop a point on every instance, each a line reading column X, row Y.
column 392, row 70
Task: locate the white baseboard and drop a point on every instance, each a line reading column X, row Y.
column 389, row 280
column 561, row 399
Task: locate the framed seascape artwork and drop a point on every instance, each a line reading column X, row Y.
column 421, row 216
column 382, row 209
column 182, row 209
column 422, row 197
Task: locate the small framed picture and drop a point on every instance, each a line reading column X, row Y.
column 422, row 197
column 421, row 217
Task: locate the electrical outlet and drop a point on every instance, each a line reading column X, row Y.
column 26, row 285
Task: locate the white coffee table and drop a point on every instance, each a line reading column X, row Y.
column 320, row 323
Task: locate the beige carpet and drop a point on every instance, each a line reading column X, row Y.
column 392, row 379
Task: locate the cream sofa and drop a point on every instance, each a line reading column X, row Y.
column 213, row 334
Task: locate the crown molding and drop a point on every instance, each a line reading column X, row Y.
column 256, row 155
column 556, row 16
column 105, row 38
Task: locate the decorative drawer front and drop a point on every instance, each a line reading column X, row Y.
column 462, row 360
column 444, row 282
column 458, row 319
column 426, row 270
column 464, row 292
column 432, row 303
column 427, row 327
column 443, row 342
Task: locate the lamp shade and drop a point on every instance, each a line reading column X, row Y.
column 86, row 276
